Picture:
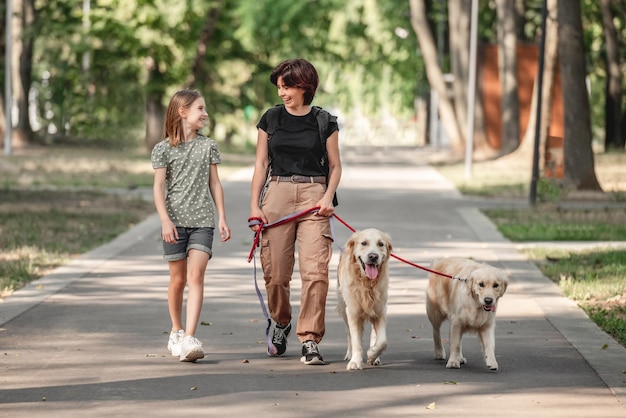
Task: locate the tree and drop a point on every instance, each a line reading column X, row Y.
column 577, row 151
column 21, row 60
column 435, row 74
column 525, row 151
column 507, row 69
column 614, row 137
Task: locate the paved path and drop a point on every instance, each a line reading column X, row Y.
column 89, row 339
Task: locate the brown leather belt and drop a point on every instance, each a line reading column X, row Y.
column 300, row 179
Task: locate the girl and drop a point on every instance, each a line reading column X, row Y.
column 187, row 193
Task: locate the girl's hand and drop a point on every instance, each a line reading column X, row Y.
column 169, row 232
column 224, row 231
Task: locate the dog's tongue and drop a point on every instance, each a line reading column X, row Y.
column 490, row 308
column 371, row 271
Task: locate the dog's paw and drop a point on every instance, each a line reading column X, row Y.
column 374, row 362
column 453, row 364
column 463, row 360
column 355, row 365
column 493, row 366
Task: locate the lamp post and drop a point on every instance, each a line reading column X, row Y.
column 535, row 172
column 8, row 106
column 471, row 91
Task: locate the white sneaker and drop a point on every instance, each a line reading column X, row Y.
column 175, row 341
column 191, row 349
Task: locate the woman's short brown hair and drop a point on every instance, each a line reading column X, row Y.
column 300, row 73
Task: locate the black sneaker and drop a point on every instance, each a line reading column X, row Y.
column 311, row 354
column 279, row 340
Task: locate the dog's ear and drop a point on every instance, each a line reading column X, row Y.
column 349, row 249
column 388, row 243
column 504, row 283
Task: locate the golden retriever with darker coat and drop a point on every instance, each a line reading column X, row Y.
column 362, row 286
column 469, row 301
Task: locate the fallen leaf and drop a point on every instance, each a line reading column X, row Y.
column 450, row 382
column 245, row 360
column 431, row 406
column 605, row 346
column 151, row 355
column 194, row 388
column 206, row 323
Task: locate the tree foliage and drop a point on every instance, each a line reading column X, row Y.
column 107, row 75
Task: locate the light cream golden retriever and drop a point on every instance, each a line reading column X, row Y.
column 363, row 281
column 469, row 301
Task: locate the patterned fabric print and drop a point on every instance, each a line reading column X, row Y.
column 189, row 202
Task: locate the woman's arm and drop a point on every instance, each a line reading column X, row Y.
column 259, row 176
column 334, row 175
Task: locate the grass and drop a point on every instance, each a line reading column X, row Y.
column 594, row 278
column 55, row 205
column 41, row 230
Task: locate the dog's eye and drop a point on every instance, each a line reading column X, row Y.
column 381, row 244
column 495, row 285
column 364, row 243
column 481, row 284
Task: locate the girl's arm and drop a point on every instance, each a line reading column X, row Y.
column 215, row 187
column 168, row 229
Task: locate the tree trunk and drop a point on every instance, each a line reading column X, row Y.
column 155, row 110
column 198, row 71
column 507, row 70
column 520, row 20
column 435, row 75
column 614, row 78
column 577, row 152
column 2, row 60
column 22, row 56
column 459, row 22
column 525, row 151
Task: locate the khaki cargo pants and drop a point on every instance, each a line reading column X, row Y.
column 313, row 236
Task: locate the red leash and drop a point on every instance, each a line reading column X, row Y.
column 289, row 218
column 396, row 257
column 257, row 236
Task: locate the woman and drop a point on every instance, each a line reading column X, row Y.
column 296, row 170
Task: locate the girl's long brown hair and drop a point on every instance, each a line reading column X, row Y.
column 173, row 128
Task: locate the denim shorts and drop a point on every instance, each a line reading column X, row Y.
column 189, row 238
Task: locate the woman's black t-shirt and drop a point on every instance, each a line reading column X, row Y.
column 296, row 147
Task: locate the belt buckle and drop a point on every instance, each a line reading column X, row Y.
column 293, row 178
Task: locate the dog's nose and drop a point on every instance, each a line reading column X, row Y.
column 373, row 258
column 488, row 301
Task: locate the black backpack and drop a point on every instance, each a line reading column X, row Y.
column 323, row 120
